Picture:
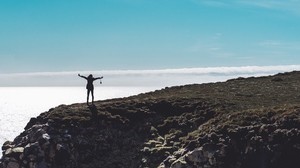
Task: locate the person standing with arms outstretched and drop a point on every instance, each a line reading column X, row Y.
column 89, row 86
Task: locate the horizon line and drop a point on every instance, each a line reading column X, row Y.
column 158, row 77
column 197, row 70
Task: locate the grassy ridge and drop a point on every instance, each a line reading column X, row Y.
column 225, row 124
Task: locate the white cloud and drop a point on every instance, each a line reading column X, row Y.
column 163, row 77
column 217, row 36
column 214, row 48
column 273, row 4
column 262, row 3
column 280, row 45
column 270, row 43
column 291, row 6
column 207, row 45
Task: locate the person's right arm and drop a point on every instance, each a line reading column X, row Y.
column 82, row 76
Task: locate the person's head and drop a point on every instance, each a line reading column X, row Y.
column 90, row 76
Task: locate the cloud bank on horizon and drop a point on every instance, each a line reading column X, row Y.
column 157, row 78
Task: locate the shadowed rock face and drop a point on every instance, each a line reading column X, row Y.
column 241, row 123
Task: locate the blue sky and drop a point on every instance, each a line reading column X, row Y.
column 83, row 35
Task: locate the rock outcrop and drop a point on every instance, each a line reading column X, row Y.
column 241, row 123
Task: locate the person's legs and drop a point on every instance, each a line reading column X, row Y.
column 88, row 95
column 92, row 95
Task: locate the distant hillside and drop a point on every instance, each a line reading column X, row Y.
column 241, row 123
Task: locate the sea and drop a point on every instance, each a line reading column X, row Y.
column 19, row 104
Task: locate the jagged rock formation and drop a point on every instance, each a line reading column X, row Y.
column 241, row 123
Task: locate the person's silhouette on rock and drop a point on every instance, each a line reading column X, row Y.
column 89, row 86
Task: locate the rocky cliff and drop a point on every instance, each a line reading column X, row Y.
column 241, row 123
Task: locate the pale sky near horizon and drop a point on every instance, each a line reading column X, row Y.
column 82, row 35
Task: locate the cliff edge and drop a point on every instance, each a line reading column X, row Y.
column 241, row 123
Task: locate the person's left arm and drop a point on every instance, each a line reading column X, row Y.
column 98, row 78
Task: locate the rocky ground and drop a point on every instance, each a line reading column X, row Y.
column 241, row 123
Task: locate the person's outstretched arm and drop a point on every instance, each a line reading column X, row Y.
column 98, row 78
column 82, row 76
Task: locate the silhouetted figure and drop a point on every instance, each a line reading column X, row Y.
column 89, row 86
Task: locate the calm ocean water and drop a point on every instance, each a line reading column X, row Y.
column 19, row 104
